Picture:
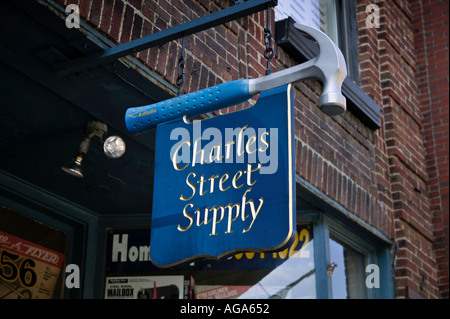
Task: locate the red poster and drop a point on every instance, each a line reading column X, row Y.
column 27, row 270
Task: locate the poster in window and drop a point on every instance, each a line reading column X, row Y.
column 149, row 287
column 27, row 270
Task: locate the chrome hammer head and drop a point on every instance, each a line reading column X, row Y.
column 329, row 67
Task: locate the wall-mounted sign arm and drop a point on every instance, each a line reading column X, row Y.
column 212, row 20
column 329, row 67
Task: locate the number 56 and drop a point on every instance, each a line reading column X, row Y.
column 9, row 270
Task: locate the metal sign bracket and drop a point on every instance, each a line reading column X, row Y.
column 239, row 10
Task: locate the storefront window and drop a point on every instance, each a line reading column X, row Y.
column 287, row 274
column 347, row 271
column 298, row 272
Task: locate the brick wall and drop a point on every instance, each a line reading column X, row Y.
column 393, row 178
column 431, row 42
column 415, row 259
column 414, row 93
column 212, row 57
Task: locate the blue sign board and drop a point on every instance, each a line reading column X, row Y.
column 225, row 184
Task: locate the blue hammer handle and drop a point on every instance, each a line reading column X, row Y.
column 140, row 119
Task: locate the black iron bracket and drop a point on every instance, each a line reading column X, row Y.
column 239, row 10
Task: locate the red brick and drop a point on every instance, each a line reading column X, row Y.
column 116, row 20
column 127, row 24
column 95, row 12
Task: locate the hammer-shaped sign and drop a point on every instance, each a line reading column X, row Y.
column 329, row 67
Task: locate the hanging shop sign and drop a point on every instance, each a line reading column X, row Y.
column 27, row 270
column 225, row 184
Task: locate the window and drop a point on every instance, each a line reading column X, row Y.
column 320, row 14
column 344, row 250
column 348, row 278
column 337, row 18
column 327, row 259
column 286, row 274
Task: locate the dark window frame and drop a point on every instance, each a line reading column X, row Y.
column 348, row 36
column 297, row 45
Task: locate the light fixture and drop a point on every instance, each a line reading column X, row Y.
column 113, row 147
column 74, row 166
